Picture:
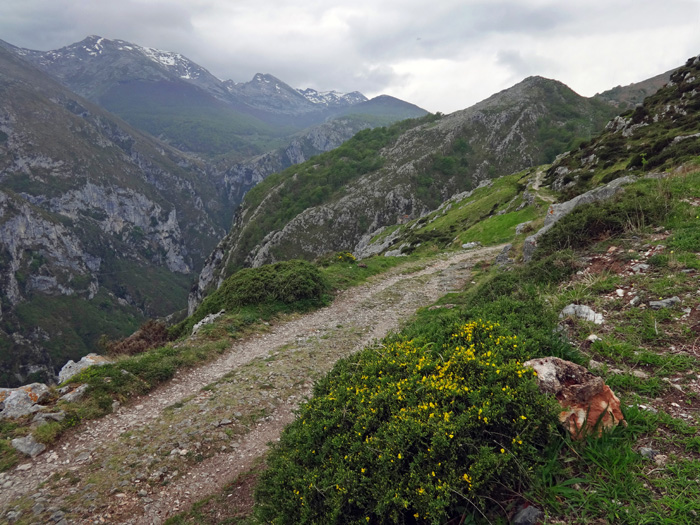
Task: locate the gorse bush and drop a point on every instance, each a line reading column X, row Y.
column 337, row 257
column 410, row 432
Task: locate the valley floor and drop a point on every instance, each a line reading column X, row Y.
column 154, row 458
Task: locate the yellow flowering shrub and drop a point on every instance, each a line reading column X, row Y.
column 410, row 432
column 337, row 257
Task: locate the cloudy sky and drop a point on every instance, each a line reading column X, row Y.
column 443, row 55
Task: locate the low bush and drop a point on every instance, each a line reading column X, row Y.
column 47, row 433
column 285, row 286
column 337, row 257
column 412, row 431
column 152, row 334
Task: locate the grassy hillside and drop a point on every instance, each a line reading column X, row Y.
column 386, row 177
column 493, row 447
column 365, row 430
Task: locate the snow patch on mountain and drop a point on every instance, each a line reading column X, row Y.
column 332, row 98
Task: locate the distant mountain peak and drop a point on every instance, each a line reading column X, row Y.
column 332, row 98
column 265, row 78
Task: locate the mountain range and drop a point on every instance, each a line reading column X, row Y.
column 102, row 224
column 177, row 100
column 122, row 167
column 387, row 176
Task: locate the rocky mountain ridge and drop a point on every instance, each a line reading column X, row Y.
column 401, row 176
column 88, row 67
column 662, row 131
column 169, row 96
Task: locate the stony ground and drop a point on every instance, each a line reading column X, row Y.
column 155, row 457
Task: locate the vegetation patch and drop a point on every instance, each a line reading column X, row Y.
column 443, row 422
column 269, row 290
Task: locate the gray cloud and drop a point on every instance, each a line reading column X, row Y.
column 444, row 55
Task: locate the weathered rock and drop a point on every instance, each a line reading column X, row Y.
column 588, row 404
column 557, row 211
column 75, row 395
column 208, row 319
column 28, row 445
column 528, row 516
column 471, row 245
column 664, row 303
column 22, row 401
column 520, row 228
column 639, row 267
column 595, row 365
column 647, row 452
column 582, row 312
column 43, row 417
column 503, row 258
column 71, row 368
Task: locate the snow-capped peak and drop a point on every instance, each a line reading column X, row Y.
column 332, row 98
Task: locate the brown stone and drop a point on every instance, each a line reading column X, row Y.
column 587, row 402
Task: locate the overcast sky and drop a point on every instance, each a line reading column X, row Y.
column 443, row 55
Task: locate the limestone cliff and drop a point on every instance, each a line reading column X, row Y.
column 99, row 224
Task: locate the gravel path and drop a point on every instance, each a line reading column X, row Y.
column 225, row 411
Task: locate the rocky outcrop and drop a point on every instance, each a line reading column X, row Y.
column 28, row 445
column 208, row 319
column 588, row 405
column 22, row 401
column 71, row 368
column 559, row 210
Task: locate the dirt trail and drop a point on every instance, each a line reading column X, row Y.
column 187, row 439
column 537, row 183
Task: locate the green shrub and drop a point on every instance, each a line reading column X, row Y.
column 9, row 456
column 337, row 257
column 636, row 208
column 48, row 432
column 412, row 431
column 288, row 285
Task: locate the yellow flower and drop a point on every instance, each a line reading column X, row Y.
column 503, row 451
column 399, row 456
